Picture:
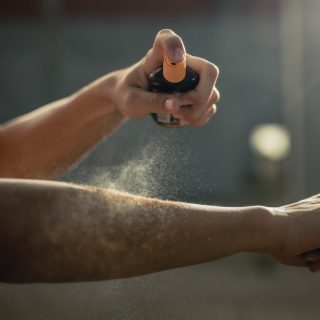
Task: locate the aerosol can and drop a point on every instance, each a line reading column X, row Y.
column 172, row 78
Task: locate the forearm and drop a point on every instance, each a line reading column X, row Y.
column 59, row 232
column 47, row 141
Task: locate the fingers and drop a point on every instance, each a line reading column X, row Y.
column 139, row 103
column 206, row 117
column 208, row 73
column 196, row 110
column 305, row 203
column 166, row 43
column 196, row 114
column 205, row 96
column 201, row 101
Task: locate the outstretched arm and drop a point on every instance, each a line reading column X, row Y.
column 55, row 232
column 46, row 142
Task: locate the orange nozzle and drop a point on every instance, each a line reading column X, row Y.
column 174, row 72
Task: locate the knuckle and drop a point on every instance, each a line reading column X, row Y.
column 217, row 94
column 213, row 70
column 214, row 109
column 215, row 97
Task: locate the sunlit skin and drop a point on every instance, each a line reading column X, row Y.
column 59, row 232
column 47, row 141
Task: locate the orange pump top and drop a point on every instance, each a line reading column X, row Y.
column 174, row 72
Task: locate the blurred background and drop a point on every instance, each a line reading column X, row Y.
column 261, row 147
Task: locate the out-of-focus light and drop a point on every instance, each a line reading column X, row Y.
column 271, row 141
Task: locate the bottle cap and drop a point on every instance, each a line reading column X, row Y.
column 174, row 72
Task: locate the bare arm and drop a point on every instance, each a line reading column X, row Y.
column 46, row 142
column 53, row 232
column 49, row 140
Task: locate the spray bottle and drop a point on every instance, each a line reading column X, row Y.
column 172, row 78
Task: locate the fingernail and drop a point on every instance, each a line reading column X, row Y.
column 176, row 55
column 169, row 105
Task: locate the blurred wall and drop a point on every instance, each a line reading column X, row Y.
column 54, row 54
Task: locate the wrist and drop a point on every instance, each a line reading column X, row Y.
column 239, row 229
column 100, row 95
column 274, row 229
column 262, row 230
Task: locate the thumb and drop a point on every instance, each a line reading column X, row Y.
column 143, row 102
column 167, row 43
column 171, row 45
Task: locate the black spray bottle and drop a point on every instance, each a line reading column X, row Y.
column 172, row 78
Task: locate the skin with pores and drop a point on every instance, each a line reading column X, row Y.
column 55, row 232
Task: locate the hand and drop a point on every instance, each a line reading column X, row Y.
column 130, row 88
column 300, row 227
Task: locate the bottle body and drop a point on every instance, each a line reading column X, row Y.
column 158, row 83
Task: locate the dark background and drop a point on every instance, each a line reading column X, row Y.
column 267, row 52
